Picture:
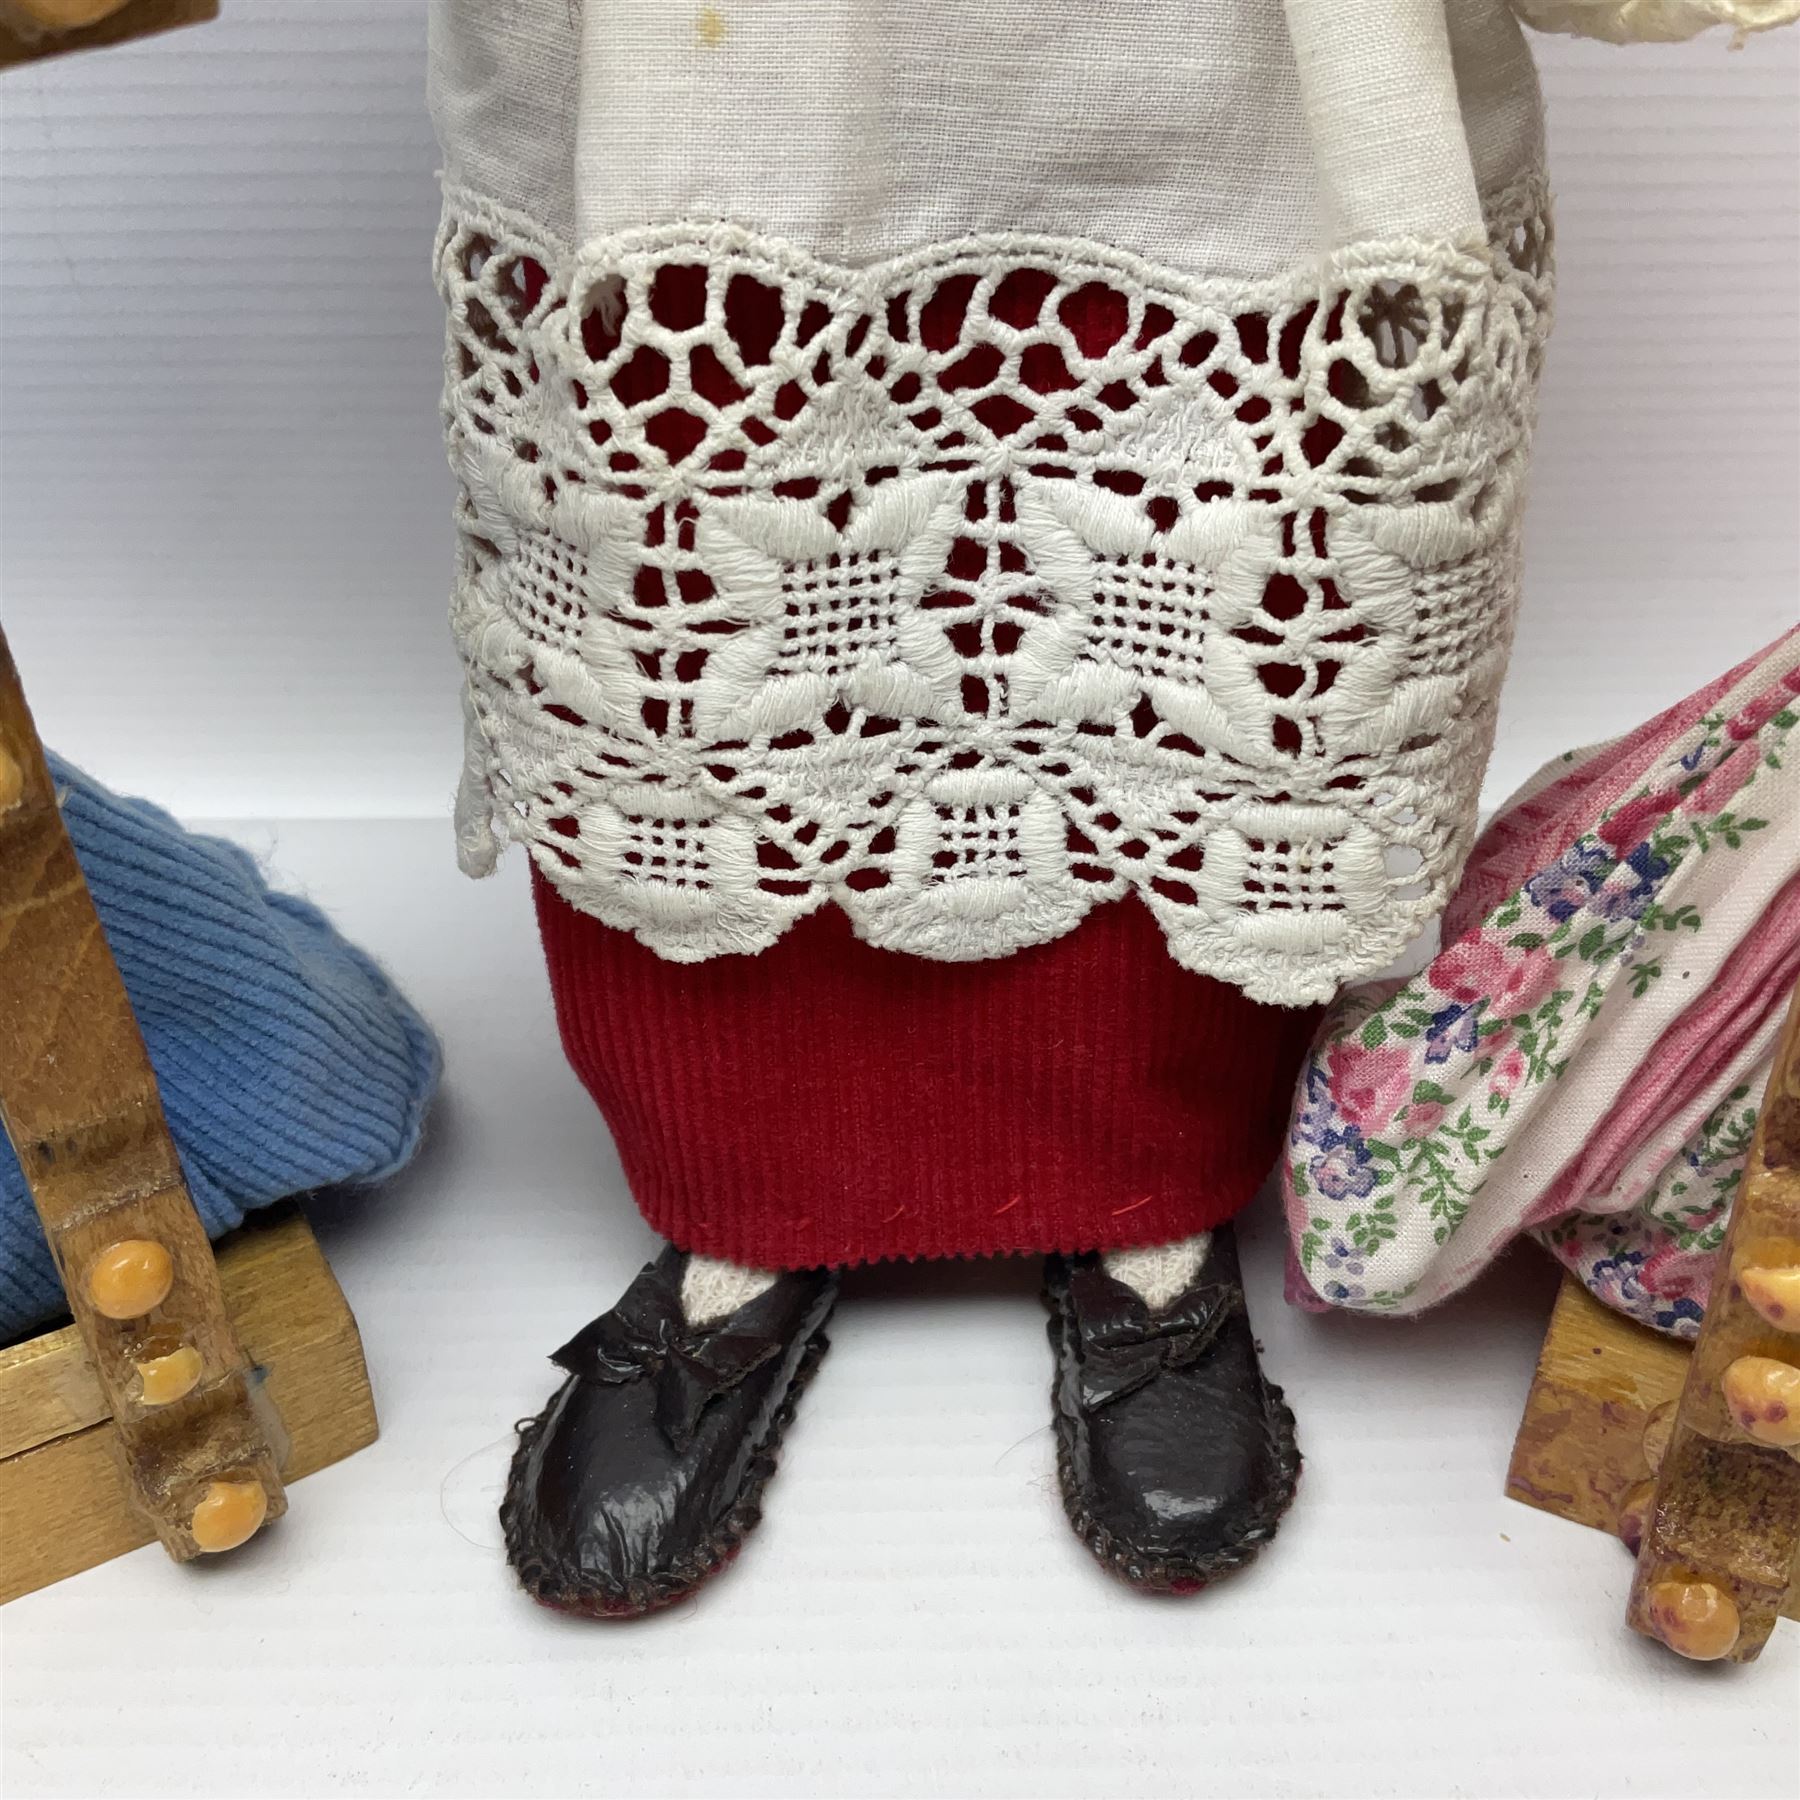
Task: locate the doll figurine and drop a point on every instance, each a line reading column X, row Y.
column 988, row 541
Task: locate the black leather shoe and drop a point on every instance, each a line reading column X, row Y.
column 1177, row 1458
column 645, row 1472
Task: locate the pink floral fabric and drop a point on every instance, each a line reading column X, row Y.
column 1584, row 1057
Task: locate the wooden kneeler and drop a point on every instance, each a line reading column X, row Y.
column 1692, row 1456
column 33, row 28
column 187, row 1389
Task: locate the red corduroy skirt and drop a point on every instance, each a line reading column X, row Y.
column 827, row 1103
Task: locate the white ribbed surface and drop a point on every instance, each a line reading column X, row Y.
column 915, row 1617
column 224, row 516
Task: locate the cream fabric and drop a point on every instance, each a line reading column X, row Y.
column 1159, row 1274
column 503, row 83
column 862, row 129
column 713, row 1290
column 1379, row 92
column 1654, row 21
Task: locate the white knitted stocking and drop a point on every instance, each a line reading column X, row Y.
column 711, row 1290
column 1159, row 1274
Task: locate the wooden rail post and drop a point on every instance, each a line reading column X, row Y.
column 1721, row 1544
column 202, row 1449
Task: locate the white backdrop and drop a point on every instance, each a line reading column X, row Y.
column 224, row 545
column 224, row 539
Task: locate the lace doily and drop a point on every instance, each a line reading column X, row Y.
column 972, row 589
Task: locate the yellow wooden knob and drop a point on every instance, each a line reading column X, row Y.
column 1694, row 1618
column 1775, row 1293
column 229, row 1513
column 130, row 1278
column 1763, row 1395
column 165, row 1379
column 12, row 781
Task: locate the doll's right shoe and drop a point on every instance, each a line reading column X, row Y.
column 645, row 1472
column 1175, row 1454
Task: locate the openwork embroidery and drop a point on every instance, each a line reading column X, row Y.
column 975, row 588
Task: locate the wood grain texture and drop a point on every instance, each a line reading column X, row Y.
column 64, row 1505
column 33, row 28
column 1602, row 1382
column 79, row 1101
column 1727, row 1508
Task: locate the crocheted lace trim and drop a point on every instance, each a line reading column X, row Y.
column 975, row 588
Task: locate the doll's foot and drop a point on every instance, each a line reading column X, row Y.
column 644, row 1474
column 1177, row 1459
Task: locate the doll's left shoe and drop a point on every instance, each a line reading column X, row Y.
column 1176, row 1457
column 644, row 1474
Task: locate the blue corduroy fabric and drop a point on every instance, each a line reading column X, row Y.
column 287, row 1060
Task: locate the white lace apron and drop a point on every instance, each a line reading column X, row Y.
column 971, row 586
